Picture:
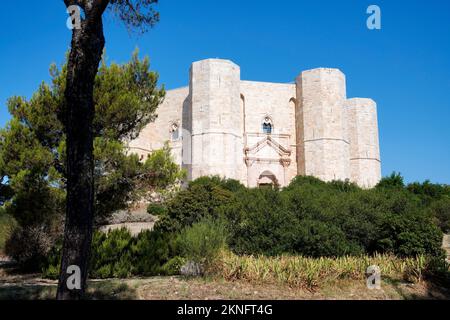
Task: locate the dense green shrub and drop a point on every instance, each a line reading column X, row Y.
column 309, row 217
column 201, row 199
column 52, row 264
column 110, row 254
column 116, row 254
column 314, row 218
column 150, row 250
column 259, row 222
column 321, row 239
column 429, row 192
column 202, row 241
column 440, row 210
column 344, row 186
column 410, row 234
column 435, row 197
column 394, row 181
column 156, row 209
column 7, row 226
column 226, row 184
column 173, row 266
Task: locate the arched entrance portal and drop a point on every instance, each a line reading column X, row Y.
column 267, row 179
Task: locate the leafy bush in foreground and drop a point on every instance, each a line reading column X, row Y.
column 259, row 222
column 201, row 199
column 309, row 218
column 202, row 241
column 150, row 250
column 116, row 254
column 313, row 218
column 110, row 254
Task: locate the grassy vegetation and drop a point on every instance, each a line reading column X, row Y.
column 7, row 225
column 181, row 288
column 314, row 218
column 309, row 240
column 105, row 290
column 298, row 271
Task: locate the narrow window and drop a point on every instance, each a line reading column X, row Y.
column 175, row 132
column 267, row 126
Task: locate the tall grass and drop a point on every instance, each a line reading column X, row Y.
column 298, row 271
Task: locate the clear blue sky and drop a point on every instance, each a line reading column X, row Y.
column 405, row 66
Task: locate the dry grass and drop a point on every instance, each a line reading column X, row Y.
column 303, row 272
column 21, row 286
column 180, row 288
column 254, row 278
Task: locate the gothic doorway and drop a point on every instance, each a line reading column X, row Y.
column 267, row 179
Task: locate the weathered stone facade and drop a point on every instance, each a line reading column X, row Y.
column 266, row 133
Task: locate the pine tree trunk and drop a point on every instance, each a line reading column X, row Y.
column 85, row 55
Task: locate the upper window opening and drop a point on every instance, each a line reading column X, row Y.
column 175, row 132
column 267, row 126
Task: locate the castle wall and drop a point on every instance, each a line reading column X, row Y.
column 274, row 100
column 216, row 119
column 316, row 130
column 155, row 134
column 324, row 149
column 365, row 165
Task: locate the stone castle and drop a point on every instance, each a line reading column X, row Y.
column 263, row 133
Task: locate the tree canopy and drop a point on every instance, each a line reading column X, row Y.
column 32, row 145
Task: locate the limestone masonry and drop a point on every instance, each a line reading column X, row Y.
column 266, row 133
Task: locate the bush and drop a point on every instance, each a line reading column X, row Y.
column 110, row 254
column 7, row 226
column 226, row 184
column 441, row 211
column 259, row 222
column 309, row 218
column 156, row 209
column 117, row 254
column 173, row 266
column 37, row 208
column 315, row 218
column 394, row 181
column 429, row 192
column 150, row 250
column 30, row 246
column 435, row 197
column 201, row 199
column 52, row 264
column 320, row 239
column 202, row 242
